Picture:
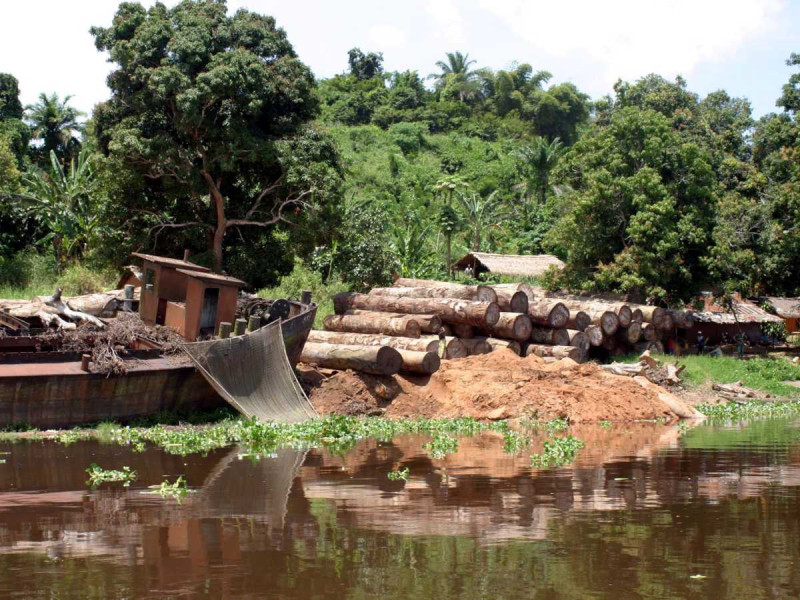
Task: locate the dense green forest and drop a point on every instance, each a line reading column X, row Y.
column 218, row 138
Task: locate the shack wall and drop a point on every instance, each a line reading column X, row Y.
column 714, row 332
column 176, row 317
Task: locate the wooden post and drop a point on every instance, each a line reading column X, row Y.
column 305, row 296
column 225, row 329
column 239, row 327
column 186, row 255
column 254, row 323
column 85, row 360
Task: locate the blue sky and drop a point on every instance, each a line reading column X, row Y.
column 738, row 45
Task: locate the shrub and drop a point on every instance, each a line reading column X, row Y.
column 78, row 279
column 409, row 137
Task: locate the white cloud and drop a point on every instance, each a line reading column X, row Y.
column 386, row 36
column 631, row 38
column 447, row 18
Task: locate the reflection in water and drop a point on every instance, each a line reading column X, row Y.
column 642, row 510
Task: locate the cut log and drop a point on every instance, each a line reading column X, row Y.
column 427, row 323
column 461, row 292
column 463, row 332
column 513, row 326
column 402, row 326
column 650, row 332
column 578, row 320
column 481, row 293
column 630, row 334
column 477, row 346
column 654, row 346
column 673, row 374
column 624, row 314
column 559, row 352
column 553, row 337
column 637, row 315
column 682, row 319
column 525, row 288
column 419, row 362
column 651, row 314
column 594, row 334
column 455, row 349
column 496, row 344
column 610, row 343
column 578, row 339
column 594, row 307
column 625, row 369
column 548, row 312
column 735, row 388
column 667, row 322
column 378, row 360
column 511, row 300
column 481, row 314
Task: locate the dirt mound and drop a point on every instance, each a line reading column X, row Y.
column 499, row 385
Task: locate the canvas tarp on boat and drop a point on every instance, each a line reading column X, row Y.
column 253, row 374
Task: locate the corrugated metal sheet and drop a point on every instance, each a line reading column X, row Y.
column 786, row 308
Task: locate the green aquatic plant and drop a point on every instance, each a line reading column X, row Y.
column 441, row 445
column 176, row 490
column 72, row 436
column 605, row 424
column 734, row 411
column 557, row 452
column 514, row 442
column 98, row 475
column 401, row 475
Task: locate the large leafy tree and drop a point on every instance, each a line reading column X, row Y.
column 205, row 106
column 56, row 125
column 13, row 130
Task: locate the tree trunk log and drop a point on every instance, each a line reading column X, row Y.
column 402, row 326
column 595, row 335
column 378, row 360
column 637, row 315
column 578, row 320
column 513, row 326
column 650, row 332
column 651, row 314
column 592, row 306
column 553, row 337
column 480, row 314
column 455, row 349
column 630, row 334
column 477, row 346
column 654, row 346
column 427, row 323
column 578, row 339
column 462, row 292
column 419, row 362
column 554, row 351
column 610, row 343
column 548, row 312
column 496, row 344
column 667, row 322
column 515, row 287
column 463, row 332
column 479, row 293
column 511, row 300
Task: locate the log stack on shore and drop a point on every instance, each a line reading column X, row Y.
column 420, row 322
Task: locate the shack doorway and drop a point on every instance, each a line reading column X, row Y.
column 208, row 315
column 161, row 312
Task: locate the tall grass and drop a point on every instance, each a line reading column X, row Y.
column 302, row 278
column 28, row 274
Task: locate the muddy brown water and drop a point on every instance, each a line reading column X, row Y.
column 647, row 511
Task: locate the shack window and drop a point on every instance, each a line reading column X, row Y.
column 149, row 277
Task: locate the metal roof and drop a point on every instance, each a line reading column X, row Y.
column 174, row 263
column 786, row 308
column 746, row 312
column 510, row 264
column 213, row 277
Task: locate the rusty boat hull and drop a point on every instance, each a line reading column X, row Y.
column 50, row 390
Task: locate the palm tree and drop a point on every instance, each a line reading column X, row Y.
column 56, row 124
column 539, row 159
column 62, row 202
column 456, row 72
column 481, row 214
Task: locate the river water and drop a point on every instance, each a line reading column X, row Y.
column 646, row 511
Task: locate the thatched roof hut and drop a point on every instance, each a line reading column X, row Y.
column 508, row 264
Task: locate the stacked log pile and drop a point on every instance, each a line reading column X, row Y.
column 425, row 321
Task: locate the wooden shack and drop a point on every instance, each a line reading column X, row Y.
column 185, row 296
column 512, row 265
